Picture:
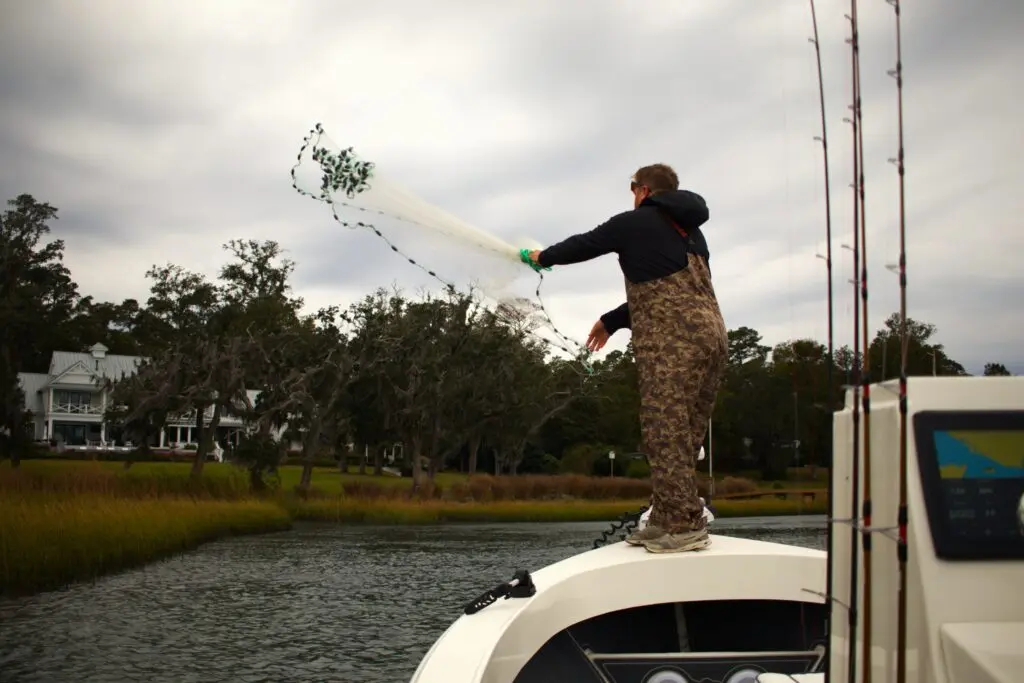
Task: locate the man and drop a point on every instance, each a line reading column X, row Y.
column 679, row 340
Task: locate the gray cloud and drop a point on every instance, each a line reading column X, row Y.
column 161, row 132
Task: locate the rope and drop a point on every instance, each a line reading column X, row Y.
column 627, row 523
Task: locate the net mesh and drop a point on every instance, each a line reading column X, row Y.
column 361, row 197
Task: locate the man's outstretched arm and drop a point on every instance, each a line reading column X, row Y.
column 604, row 239
column 616, row 319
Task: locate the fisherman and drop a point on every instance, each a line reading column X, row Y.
column 679, row 340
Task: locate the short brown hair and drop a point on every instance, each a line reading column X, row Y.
column 657, row 178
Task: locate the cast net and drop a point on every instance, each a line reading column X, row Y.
column 361, row 197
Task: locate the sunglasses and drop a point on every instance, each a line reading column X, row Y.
column 634, row 186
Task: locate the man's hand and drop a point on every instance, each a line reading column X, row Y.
column 532, row 259
column 598, row 337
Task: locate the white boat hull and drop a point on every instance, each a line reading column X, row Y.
column 503, row 642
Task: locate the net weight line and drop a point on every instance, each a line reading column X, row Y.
column 344, row 172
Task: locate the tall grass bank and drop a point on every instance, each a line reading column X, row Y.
column 391, row 511
column 47, row 542
column 62, row 521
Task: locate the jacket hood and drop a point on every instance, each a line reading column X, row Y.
column 686, row 208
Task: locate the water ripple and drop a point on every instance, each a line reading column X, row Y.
column 319, row 603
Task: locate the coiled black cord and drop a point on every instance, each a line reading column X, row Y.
column 627, row 523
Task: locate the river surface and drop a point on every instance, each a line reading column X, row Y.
column 318, row 603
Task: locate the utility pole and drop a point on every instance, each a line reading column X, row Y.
column 711, row 460
column 796, row 430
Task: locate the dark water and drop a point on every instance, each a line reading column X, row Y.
column 320, row 603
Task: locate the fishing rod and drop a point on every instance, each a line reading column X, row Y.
column 852, row 612
column 830, row 379
column 865, row 523
column 901, row 517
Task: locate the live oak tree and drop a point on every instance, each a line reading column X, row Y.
column 456, row 384
column 37, row 295
column 307, row 371
column 205, row 334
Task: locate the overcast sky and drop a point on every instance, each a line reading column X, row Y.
column 162, row 129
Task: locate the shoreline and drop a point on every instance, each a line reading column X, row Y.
column 402, row 512
column 48, row 543
column 65, row 522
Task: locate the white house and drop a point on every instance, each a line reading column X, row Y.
column 68, row 402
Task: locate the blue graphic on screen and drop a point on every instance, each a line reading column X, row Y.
column 980, row 454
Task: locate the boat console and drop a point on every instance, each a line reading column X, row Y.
column 971, row 464
column 964, row 534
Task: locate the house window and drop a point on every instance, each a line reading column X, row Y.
column 70, row 434
column 72, row 398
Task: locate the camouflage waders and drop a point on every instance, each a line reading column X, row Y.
column 681, row 348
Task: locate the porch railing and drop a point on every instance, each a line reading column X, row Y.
column 76, row 408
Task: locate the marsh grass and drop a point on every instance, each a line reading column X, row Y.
column 392, row 511
column 47, row 542
column 62, row 520
column 389, row 511
column 142, row 480
column 222, row 481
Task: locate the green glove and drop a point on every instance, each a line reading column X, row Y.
column 524, row 256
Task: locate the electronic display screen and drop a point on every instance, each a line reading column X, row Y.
column 972, row 472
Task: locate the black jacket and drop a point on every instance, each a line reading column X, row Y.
column 648, row 245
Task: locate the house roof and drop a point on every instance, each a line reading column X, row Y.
column 112, row 367
column 32, row 382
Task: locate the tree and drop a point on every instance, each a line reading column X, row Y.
column 996, row 370
column 204, row 337
column 141, row 403
column 36, row 295
column 119, row 327
column 804, row 362
column 924, row 358
column 308, row 369
column 453, row 382
column 420, row 373
column 745, row 346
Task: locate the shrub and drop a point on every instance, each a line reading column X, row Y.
column 486, row 488
column 638, row 469
column 579, row 459
column 730, row 485
column 549, row 464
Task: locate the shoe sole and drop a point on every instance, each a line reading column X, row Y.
column 696, row 545
column 641, row 541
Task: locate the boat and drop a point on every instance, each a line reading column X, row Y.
column 621, row 614
column 745, row 611
column 920, row 583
